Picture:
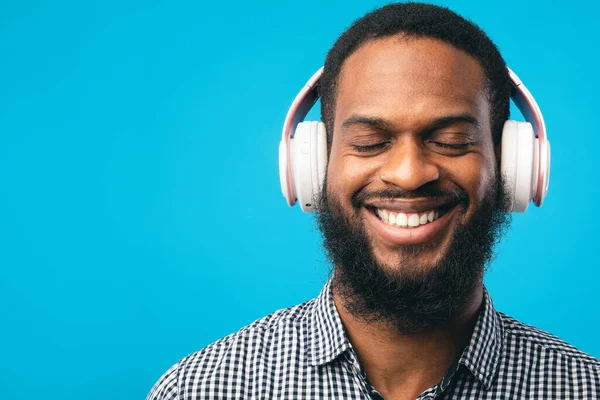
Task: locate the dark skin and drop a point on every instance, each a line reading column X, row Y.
column 410, row 112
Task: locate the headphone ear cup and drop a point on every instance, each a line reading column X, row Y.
column 309, row 159
column 519, row 155
column 321, row 165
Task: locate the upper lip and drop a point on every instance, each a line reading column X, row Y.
column 408, row 206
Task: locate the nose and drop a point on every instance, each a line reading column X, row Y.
column 407, row 165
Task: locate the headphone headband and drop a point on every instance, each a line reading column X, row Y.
column 520, row 95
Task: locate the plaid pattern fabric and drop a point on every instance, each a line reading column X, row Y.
column 303, row 353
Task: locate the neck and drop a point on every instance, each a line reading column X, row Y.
column 401, row 365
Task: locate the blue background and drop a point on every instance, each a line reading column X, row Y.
column 140, row 210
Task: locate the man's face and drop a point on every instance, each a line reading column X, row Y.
column 412, row 202
column 412, row 133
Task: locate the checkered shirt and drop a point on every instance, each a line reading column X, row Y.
column 302, row 352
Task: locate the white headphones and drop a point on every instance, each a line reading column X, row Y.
column 525, row 161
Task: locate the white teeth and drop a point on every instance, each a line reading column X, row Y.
column 392, row 219
column 401, row 219
column 413, row 220
column 407, row 220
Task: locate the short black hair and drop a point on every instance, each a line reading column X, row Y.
column 420, row 20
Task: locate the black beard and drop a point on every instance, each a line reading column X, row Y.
column 411, row 301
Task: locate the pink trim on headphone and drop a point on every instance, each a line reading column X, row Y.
column 532, row 113
column 301, row 105
column 525, row 102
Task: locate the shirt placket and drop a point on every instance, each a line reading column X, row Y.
column 372, row 393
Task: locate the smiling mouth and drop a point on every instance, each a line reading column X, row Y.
column 409, row 220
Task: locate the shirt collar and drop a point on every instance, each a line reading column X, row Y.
column 327, row 338
column 482, row 354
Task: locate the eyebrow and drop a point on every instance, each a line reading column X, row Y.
column 378, row 123
column 382, row 124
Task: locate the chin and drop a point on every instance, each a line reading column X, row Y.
column 413, row 259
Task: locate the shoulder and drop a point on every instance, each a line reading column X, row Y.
column 259, row 338
column 238, row 355
column 549, row 353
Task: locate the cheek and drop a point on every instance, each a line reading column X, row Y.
column 476, row 174
column 346, row 175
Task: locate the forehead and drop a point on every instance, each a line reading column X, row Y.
column 407, row 79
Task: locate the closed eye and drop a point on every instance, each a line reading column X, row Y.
column 370, row 147
column 454, row 146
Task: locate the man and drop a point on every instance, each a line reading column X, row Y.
column 414, row 99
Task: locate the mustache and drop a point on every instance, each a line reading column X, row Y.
column 453, row 196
